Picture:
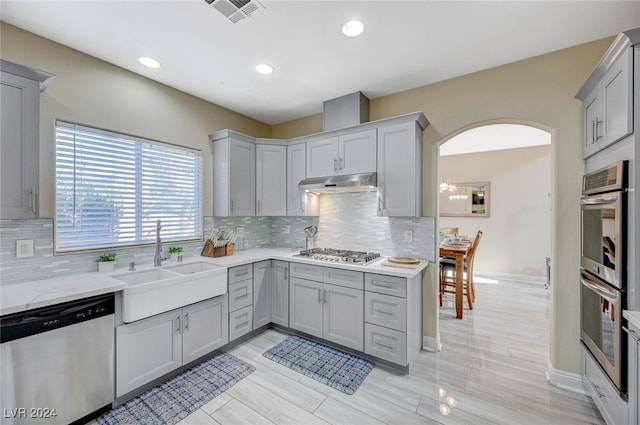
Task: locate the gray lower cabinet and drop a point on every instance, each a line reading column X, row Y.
column 262, row 293
column 240, row 291
column 614, row 409
column 634, row 374
column 280, row 292
column 393, row 317
column 150, row 348
column 328, row 311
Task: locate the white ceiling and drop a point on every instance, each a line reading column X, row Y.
column 406, row 44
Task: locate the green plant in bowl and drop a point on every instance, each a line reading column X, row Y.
column 106, row 256
column 175, row 250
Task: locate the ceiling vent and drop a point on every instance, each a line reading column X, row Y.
column 236, row 10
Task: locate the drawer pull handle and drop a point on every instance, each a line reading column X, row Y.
column 186, row 321
column 178, row 324
column 631, row 333
column 239, row 297
column 382, row 344
column 242, row 325
column 384, row 285
column 319, row 295
column 242, row 273
column 597, row 390
column 379, row 310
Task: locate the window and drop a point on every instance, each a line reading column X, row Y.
column 111, row 188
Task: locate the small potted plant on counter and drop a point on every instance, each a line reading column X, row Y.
column 174, row 252
column 106, row 262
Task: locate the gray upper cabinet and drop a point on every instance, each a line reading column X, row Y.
column 299, row 203
column 234, row 174
column 271, row 180
column 607, row 99
column 400, row 169
column 344, row 154
column 20, row 140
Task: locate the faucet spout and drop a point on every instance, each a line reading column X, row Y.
column 157, row 258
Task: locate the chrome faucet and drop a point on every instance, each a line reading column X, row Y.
column 157, row 258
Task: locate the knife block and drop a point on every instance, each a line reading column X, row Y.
column 210, row 251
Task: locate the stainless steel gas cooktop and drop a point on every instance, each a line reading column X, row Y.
column 340, row 255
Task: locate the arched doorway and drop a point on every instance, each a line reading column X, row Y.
column 515, row 160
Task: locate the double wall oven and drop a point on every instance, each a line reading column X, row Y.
column 603, row 269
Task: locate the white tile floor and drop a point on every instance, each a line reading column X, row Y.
column 491, row 370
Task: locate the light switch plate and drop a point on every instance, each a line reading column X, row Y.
column 408, row 236
column 239, row 231
column 24, row 248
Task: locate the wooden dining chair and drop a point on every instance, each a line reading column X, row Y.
column 448, row 274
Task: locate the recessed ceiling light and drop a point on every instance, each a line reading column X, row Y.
column 353, row 28
column 264, row 68
column 149, row 62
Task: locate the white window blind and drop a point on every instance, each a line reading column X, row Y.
column 111, row 188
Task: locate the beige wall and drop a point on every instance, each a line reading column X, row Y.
column 89, row 91
column 517, row 234
column 537, row 91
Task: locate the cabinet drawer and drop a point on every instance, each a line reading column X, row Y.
column 240, row 294
column 390, row 285
column 385, row 310
column 306, row 271
column 239, row 273
column 240, row 322
column 387, row 344
column 611, row 406
column 341, row 277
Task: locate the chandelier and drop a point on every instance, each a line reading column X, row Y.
column 446, row 185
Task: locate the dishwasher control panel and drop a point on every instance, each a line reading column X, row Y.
column 44, row 319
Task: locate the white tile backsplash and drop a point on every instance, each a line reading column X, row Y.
column 347, row 220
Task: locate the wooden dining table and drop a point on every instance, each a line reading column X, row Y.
column 458, row 251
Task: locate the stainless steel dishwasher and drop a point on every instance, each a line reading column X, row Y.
column 57, row 361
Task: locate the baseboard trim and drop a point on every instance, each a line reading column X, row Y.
column 431, row 344
column 565, row 380
column 510, row 276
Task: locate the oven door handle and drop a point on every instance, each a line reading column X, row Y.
column 605, row 293
column 601, row 200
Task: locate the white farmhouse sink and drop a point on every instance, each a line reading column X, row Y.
column 150, row 292
column 193, row 267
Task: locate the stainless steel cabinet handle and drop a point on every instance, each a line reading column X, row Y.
column 186, row 321
column 178, row 324
column 631, row 333
column 335, row 164
column 384, row 285
column 33, row 200
column 240, row 325
column 319, row 295
column 593, row 131
column 340, row 163
column 242, row 273
column 597, row 390
column 239, row 297
column 324, row 298
column 286, row 273
column 382, row 344
column 598, row 123
column 379, row 310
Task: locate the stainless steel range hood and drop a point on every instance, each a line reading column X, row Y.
column 346, row 183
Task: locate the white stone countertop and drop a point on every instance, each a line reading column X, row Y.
column 19, row 297
column 633, row 317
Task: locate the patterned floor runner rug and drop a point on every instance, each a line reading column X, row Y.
column 342, row 371
column 175, row 399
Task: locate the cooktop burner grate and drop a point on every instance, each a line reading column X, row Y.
column 340, row 255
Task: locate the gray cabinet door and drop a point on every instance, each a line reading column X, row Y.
column 271, row 180
column 357, row 152
column 400, row 170
column 305, row 306
column 242, row 184
column 322, row 157
column 280, row 292
column 147, row 349
column 343, row 316
column 204, row 328
column 19, row 146
column 299, row 203
column 261, row 293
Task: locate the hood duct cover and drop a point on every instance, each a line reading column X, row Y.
column 347, row 183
